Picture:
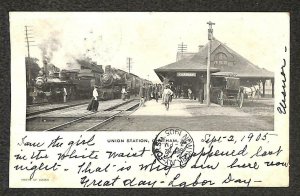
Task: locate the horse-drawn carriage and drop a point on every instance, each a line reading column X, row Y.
column 226, row 89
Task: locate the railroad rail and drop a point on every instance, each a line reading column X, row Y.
column 112, row 117
column 91, row 121
column 53, row 109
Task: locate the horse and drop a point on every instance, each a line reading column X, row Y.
column 251, row 91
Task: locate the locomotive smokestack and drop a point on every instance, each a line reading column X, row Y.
column 45, row 67
column 107, row 68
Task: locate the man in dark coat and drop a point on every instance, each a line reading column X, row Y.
column 142, row 95
column 155, row 92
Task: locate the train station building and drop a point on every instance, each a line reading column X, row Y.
column 190, row 69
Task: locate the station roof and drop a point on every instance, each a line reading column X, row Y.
column 185, row 65
column 197, row 62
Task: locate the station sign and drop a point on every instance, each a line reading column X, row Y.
column 186, row 74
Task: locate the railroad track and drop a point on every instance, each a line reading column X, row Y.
column 37, row 104
column 90, row 121
column 53, row 109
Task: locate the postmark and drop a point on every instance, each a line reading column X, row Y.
column 173, row 147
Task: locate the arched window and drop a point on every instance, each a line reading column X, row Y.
column 220, row 59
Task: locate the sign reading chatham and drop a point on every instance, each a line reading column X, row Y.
column 186, row 74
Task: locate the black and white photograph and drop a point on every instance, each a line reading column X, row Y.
column 149, row 99
column 147, row 71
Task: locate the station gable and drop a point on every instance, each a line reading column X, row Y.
column 222, row 57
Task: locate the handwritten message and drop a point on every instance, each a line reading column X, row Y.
column 217, row 160
column 282, row 104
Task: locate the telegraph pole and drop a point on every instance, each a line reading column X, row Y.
column 210, row 37
column 129, row 62
column 181, row 48
column 28, row 40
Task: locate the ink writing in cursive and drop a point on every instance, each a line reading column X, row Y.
column 30, row 144
column 195, row 183
column 113, row 155
column 230, row 179
column 282, row 104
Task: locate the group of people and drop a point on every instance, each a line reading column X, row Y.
column 190, row 93
column 146, row 93
column 150, row 91
column 156, row 91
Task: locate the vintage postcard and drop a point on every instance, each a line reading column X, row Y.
column 149, row 99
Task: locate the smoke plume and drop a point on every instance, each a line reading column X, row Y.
column 50, row 46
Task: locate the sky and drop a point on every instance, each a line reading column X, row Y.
column 151, row 38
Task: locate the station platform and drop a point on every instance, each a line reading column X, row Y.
column 193, row 116
column 186, row 107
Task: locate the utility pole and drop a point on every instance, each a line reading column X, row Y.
column 210, row 37
column 181, row 48
column 28, row 40
column 129, row 64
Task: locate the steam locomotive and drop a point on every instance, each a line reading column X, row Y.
column 79, row 84
column 53, row 87
column 113, row 80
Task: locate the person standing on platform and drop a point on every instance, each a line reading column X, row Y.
column 147, row 93
column 163, row 95
column 159, row 90
column 173, row 90
column 142, row 95
column 123, row 93
column 65, row 93
column 93, row 105
column 96, row 103
column 190, row 93
column 151, row 91
column 155, row 91
column 128, row 93
column 167, row 96
column 201, row 95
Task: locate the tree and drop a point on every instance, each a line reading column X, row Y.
column 32, row 69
